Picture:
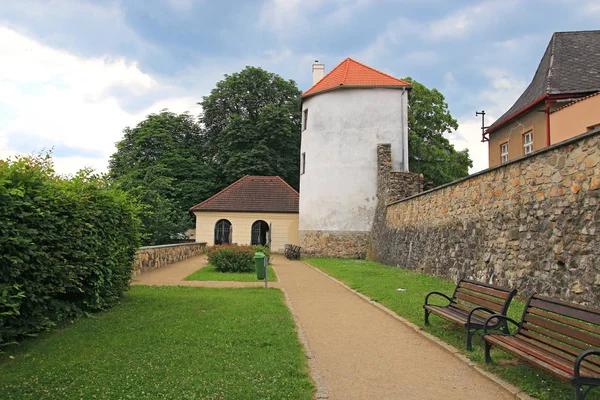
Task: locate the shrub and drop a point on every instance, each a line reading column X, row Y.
column 66, row 245
column 231, row 258
column 262, row 249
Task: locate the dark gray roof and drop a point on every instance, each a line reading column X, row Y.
column 570, row 65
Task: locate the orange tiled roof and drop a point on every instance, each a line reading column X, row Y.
column 352, row 73
column 253, row 194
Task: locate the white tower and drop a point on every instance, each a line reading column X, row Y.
column 344, row 116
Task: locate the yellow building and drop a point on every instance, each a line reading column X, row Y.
column 253, row 210
column 567, row 72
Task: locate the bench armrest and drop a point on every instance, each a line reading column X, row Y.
column 478, row 309
column 499, row 317
column 580, row 358
column 439, row 294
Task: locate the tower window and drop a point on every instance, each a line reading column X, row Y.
column 305, row 119
column 303, row 166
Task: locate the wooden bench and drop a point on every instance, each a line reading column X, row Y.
column 292, row 252
column 470, row 305
column 558, row 337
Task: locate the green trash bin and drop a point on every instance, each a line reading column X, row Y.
column 259, row 262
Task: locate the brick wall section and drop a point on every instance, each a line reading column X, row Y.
column 532, row 224
column 154, row 257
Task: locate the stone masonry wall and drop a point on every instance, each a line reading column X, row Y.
column 334, row 244
column 154, row 257
column 532, row 224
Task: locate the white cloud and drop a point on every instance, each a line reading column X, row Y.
column 53, row 97
column 468, row 136
column 287, row 16
column 469, row 19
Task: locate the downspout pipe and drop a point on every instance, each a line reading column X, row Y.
column 547, row 123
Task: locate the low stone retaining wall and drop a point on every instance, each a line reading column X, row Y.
column 532, row 224
column 153, row 257
column 334, row 244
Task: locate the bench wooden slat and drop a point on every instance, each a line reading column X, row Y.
column 561, row 351
column 569, row 346
column 479, row 301
column 456, row 315
column 577, row 313
column 482, row 296
column 554, row 335
column 563, row 329
column 557, row 372
column 501, row 294
column 560, row 318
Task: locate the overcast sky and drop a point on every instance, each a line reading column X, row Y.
column 73, row 74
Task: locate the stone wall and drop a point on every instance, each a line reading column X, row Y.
column 334, row 244
column 154, row 257
column 532, row 224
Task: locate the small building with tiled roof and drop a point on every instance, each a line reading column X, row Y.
column 345, row 115
column 568, row 70
column 252, row 210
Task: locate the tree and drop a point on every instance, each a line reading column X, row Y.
column 428, row 120
column 161, row 163
column 252, row 126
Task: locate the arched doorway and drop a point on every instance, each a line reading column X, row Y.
column 223, row 231
column 260, row 231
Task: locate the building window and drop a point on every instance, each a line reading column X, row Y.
column 303, row 166
column 305, row 119
column 528, row 142
column 504, row 152
column 259, row 233
column 223, row 232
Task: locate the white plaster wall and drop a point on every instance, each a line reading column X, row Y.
column 338, row 188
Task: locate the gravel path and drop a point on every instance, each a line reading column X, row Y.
column 357, row 351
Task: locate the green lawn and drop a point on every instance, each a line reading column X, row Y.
column 166, row 342
column 381, row 283
column 209, row 273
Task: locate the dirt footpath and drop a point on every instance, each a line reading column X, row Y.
column 363, row 353
column 173, row 275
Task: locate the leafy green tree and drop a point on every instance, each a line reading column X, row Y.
column 252, row 126
column 161, row 163
column 428, row 120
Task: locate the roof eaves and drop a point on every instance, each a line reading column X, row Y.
column 523, row 110
column 409, row 87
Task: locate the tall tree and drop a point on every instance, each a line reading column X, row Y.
column 252, row 126
column 430, row 152
column 161, row 162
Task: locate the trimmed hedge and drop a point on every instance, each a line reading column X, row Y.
column 66, row 245
column 231, row 258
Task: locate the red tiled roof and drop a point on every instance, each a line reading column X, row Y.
column 253, row 194
column 352, row 73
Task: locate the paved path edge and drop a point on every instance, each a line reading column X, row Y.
column 515, row 391
column 321, row 389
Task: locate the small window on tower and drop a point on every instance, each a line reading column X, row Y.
column 303, row 166
column 305, row 120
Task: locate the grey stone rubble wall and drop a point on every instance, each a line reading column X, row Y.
column 532, row 224
column 342, row 244
column 154, row 257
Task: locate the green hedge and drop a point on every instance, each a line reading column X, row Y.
column 66, row 245
column 231, row 258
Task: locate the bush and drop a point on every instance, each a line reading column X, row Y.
column 231, row 258
column 262, row 249
column 66, row 245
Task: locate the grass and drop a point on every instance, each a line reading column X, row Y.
column 166, row 342
column 210, row 273
column 381, row 282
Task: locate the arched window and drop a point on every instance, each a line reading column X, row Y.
column 223, row 231
column 260, row 230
